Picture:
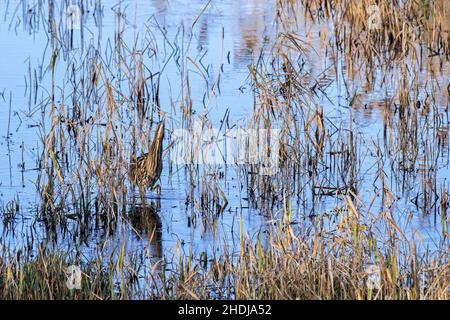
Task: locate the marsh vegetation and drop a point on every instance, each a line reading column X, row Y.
column 352, row 108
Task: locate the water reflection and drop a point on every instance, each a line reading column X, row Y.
column 245, row 28
column 146, row 221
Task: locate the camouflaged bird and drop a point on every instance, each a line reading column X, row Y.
column 146, row 169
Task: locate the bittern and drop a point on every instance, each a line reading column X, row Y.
column 146, row 169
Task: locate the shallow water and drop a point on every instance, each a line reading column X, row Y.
column 229, row 35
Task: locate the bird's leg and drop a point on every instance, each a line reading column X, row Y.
column 142, row 194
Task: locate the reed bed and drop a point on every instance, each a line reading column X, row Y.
column 325, row 261
column 332, row 210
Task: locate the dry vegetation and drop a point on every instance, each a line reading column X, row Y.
column 102, row 116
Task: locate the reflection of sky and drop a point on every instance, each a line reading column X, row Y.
column 246, row 27
column 25, row 51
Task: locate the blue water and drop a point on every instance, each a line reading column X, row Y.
column 221, row 38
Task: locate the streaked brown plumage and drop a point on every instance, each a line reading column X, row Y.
column 146, row 169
